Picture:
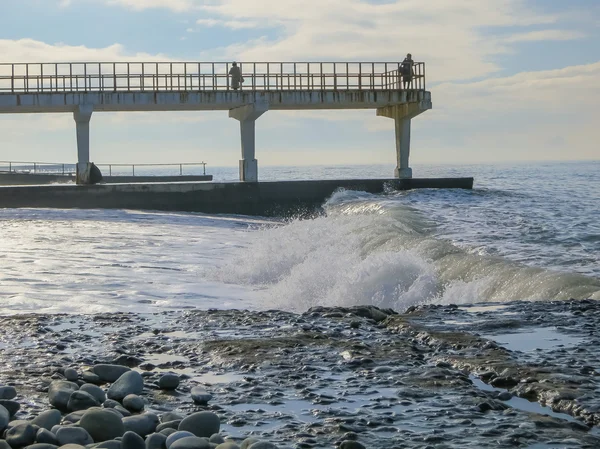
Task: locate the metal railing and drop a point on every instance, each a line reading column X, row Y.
column 206, row 76
column 52, row 168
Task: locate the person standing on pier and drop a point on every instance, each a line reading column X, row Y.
column 407, row 70
column 236, row 76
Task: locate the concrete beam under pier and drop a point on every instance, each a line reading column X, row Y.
column 282, row 198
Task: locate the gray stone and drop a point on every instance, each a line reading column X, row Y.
column 72, row 446
column 248, row 442
column 262, row 445
column 74, row 417
column 156, row 441
column 8, row 393
column 4, row 418
column 129, row 383
column 48, row 419
column 228, row 445
column 60, row 392
column 42, row 446
column 109, row 373
column 97, row 392
column 200, row 395
column 176, row 436
column 21, row 435
column 217, row 438
column 141, row 424
column 122, row 410
column 132, row 440
column 191, row 443
column 4, row 445
column 110, row 444
column 91, row 377
column 81, row 400
column 169, row 425
column 12, row 406
column 168, row 381
column 109, row 403
column 201, row 424
column 71, row 374
column 349, row 444
column 73, row 435
column 168, row 431
column 102, row 425
column 46, row 437
column 170, row 416
column 133, row 402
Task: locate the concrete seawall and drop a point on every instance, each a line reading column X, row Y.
column 30, row 179
column 280, row 198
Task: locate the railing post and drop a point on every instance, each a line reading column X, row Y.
column 34, row 167
column 133, row 168
column 180, row 169
column 109, row 170
column 10, row 167
column 12, row 80
column 63, row 169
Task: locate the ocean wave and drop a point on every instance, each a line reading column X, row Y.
column 372, row 249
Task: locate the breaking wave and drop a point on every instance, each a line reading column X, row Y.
column 370, row 249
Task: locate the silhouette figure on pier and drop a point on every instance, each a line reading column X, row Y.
column 407, row 70
column 236, row 76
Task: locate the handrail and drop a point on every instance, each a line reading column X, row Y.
column 205, row 76
column 68, row 169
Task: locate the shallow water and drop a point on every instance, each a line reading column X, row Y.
column 519, row 235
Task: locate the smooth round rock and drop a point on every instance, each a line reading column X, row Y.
column 168, row 431
column 227, row 445
column 110, row 444
column 91, row 377
column 201, row 424
column 102, row 425
column 133, row 402
column 349, row 444
column 129, row 383
column 12, row 406
column 71, row 374
column 132, row 440
column 21, row 435
column 48, row 419
column 81, row 400
column 141, row 424
column 94, row 390
column 170, row 416
column 156, row 441
column 8, row 392
column 4, row 418
column 74, row 417
column 59, row 393
column 169, row 425
column 44, row 436
column 176, row 436
column 4, row 445
column 42, row 446
column 73, row 446
column 262, row 445
column 200, row 395
column 248, row 442
column 73, row 435
column 169, row 381
column 191, row 443
column 217, row 439
column 109, row 373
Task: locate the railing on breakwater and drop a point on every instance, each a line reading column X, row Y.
column 51, row 168
column 206, row 76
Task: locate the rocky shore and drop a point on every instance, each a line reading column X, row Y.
column 514, row 375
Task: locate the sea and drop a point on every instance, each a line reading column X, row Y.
column 527, row 231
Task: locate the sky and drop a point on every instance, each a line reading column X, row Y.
column 511, row 80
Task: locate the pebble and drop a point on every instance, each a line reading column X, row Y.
column 4, row 418
column 102, row 425
column 129, row 383
column 351, row 444
column 42, row 446
column 71, row 374
column 48, row 419
column 12, row 406
column 190, row 443
column 168, row 381
column 60, row 392
column 264, row 445
column 228, row 445
column 156, row 441
column 4, row 445
column 45, row 436
column 133, row 402
column 8, row 393
column 73, row 435
column 248, row 442
column 200, row 395
column 132, row 440
column 97, row 392
column 176, row 436
column 91, row 377
column 21, row 435
column 141, row 424
column 81, row 400
column 169, row 425
column 109, row 444
column 201, row 424
column 109, row 373
column 217, row 439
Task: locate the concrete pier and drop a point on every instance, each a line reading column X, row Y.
column 283, row 198
column 86, row 88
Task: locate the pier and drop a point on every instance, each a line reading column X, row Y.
column 83, row 89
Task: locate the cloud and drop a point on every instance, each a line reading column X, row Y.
column 174, row 5
column 545, row 35
column 232, row 24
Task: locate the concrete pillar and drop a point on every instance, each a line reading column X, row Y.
column 403, row 169
column 82, row 116
column 247, row 116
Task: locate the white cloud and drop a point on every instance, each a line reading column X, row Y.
column 174, row 5
column 545, row 35
column 232, row 24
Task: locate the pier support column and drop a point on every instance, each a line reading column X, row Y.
column 247, row 116
column 402, row 115
column 82, row 116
